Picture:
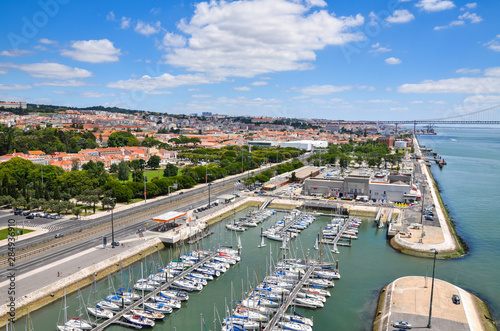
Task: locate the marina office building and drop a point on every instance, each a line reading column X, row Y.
column 363, row 183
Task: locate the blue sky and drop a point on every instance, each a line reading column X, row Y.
column 417, row 59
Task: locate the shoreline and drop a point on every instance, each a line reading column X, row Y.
column 453, row 246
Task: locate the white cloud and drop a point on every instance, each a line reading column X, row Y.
column 380, row 101
column 452, row 24
column 92, row 94
column 15, row 52
column 201, row 96
column 146, row 28
column 47, row 41
column 468, row 71
column 259, row 83
column 93, row 51
column 40, row 47
column 242, row 88
column 147, row 83
column 400, row 16
column 158, row 92
column 435, row 5
column 125, row 24
column 399, row 109
column 72, row 83
column 373, row 19
column 471, row 5
column 225, row 41
column 155, row 11
column 365, row 87
column 438, row 102
column 483, row 99
column 494, row 44
column 473, row 17
column 3, row 71
column 324, row 89
column 49, row 70
column 173, row 40
column 393, row 60
column 417, row 102
column 376, row 48
column 15, row 87
column 110, row 16
column 488, row 84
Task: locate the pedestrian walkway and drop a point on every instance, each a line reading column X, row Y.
column 408, row 299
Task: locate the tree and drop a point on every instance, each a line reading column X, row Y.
column 76, row 211
column 123, row 171
column 170, row 170
column 154, row 161
column 137, row 176
column 113, row 168
column 122, row 138
column 293, row 177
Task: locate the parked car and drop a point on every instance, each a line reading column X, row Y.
column 116, row 243
column 456, row 299
column 429, row 218
column 59, row 235
column 18, row 212
column 402, row 325
column 30, row 216
column 181, row 193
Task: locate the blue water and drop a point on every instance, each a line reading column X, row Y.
column 469, row 186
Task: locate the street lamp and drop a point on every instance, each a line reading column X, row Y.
column 209, row 185
column 432, row 287
column 112, row 204
column 144, row 177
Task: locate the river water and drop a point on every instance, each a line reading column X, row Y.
column 469, row 187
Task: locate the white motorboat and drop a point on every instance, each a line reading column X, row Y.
column 294, row 326
column 159, row 307
column 173, row 294
column 235, row 227
column 118, row 299
column 77, row 323
column 309, row 302
column 312, row 296
column 107, row 305
column 316, row 290
column 298, row 319
column 169, row 302
column 262, row 243
column 139, row 320
column 245, row 312
column 144, row 286
column 100, row 313
column 243, row 323
column 186, row 285
column 276, row 237
column 130, row 295
column 320, row 282
column 147, row 314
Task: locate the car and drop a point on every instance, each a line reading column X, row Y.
column 30, row 217
column 402, row 325
column 25, row 213
column 59, row 235
column 181, row 193
column 456, row 299
column 116, row 243
column 46, row 215
column 429, row 218
column 18, row 212
column 57, row 217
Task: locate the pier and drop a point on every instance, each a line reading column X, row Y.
column 338, row 236
column 116, row 319
column 284, row 306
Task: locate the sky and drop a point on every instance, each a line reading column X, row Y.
column 347, row 60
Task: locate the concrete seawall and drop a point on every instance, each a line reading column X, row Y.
column 54, row 291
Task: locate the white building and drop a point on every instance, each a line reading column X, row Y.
column 308, row 145
column 13, row 105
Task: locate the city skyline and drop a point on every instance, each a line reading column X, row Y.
column 308, row 59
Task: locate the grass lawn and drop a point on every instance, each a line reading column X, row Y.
column 150, row 174
column 4, row 232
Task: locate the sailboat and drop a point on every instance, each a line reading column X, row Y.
column 146, row 313
column 316, row 244
column 262, row 243
column 97, row 311
column 74, row 323
column 335, row 249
